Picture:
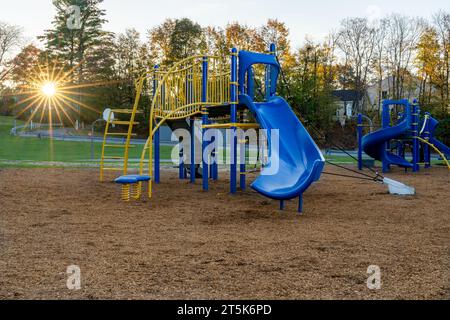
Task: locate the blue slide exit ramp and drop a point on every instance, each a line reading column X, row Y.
column 300, row 160
column 374, row 144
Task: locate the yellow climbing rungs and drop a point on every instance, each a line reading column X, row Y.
column 113, row 158
column 126, row 111
column 113, row 169
column 123, row 122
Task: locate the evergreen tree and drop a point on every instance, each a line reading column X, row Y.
column 77, row 31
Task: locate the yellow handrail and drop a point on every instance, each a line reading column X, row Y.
column 178, row 95
column 435, row 149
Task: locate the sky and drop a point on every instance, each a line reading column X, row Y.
column 312, row 18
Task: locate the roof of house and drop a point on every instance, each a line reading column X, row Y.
column 347, row 95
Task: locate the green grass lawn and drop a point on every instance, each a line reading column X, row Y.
column 14, row 148
column 17, row 151
column 31, row 152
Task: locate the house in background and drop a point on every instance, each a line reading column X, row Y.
column 348, row 103
column 376, row 93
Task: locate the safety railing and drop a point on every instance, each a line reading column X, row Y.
column 179, row 90
column 183, row 91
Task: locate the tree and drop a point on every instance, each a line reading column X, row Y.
column 185, row 39
column 379, row 59
column 401, row 39
column 214, row 41
column 10, row 38
column 312, row 80
column 159, row 39
column 427, row 62
column 356, row 39
column 24, row 66
column 442, row 23
column 276, row 32
column 131, row 59
column 77, row 38
column 77, row 30
column 175, row 40
column 243, row 37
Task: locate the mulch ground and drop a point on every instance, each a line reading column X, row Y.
column 188, row 244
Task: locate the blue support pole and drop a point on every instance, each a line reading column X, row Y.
column 205, row 175
column 157, row 139
column 360, row 136
column 386, row 122
column 233, row 112
column 300, row 203
column 242, row 167
column 157, row 172
column 272, row 80
column 426, row 136
column 415, row 133
column 181, row 169
column 281, row 205
column 192, row 164
column 211, row 165
column 215, row 154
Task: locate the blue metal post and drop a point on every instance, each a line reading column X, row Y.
column 242, row 150
column 300, row 203
column 415, row 134
column 281, row 205
column 386, row 122
column 426, row 136
column 181, row 171
column 157, row 138
column 211, row 165
column 400, row 143
column 157, row 165
column 233, row 111
column 272, row 82
column 205, row 176
column 215, row 155
column 360, row 136
column 192, row 164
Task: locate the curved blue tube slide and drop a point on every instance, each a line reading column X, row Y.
column 300, row 160
column 438, row 144
column 374, row 144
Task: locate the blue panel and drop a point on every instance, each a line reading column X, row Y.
column 247, row 59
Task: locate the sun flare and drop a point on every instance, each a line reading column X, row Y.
column 49, row 89
column 52, row 94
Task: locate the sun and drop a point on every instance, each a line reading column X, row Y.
column 49, row 89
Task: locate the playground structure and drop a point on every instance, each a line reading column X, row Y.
column 407, row 130
column 221, row 92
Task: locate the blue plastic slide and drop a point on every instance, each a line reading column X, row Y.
column 438, row 144
column 300, row 160
column 374, row 144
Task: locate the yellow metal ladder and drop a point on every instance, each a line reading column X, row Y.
column 109, row 157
